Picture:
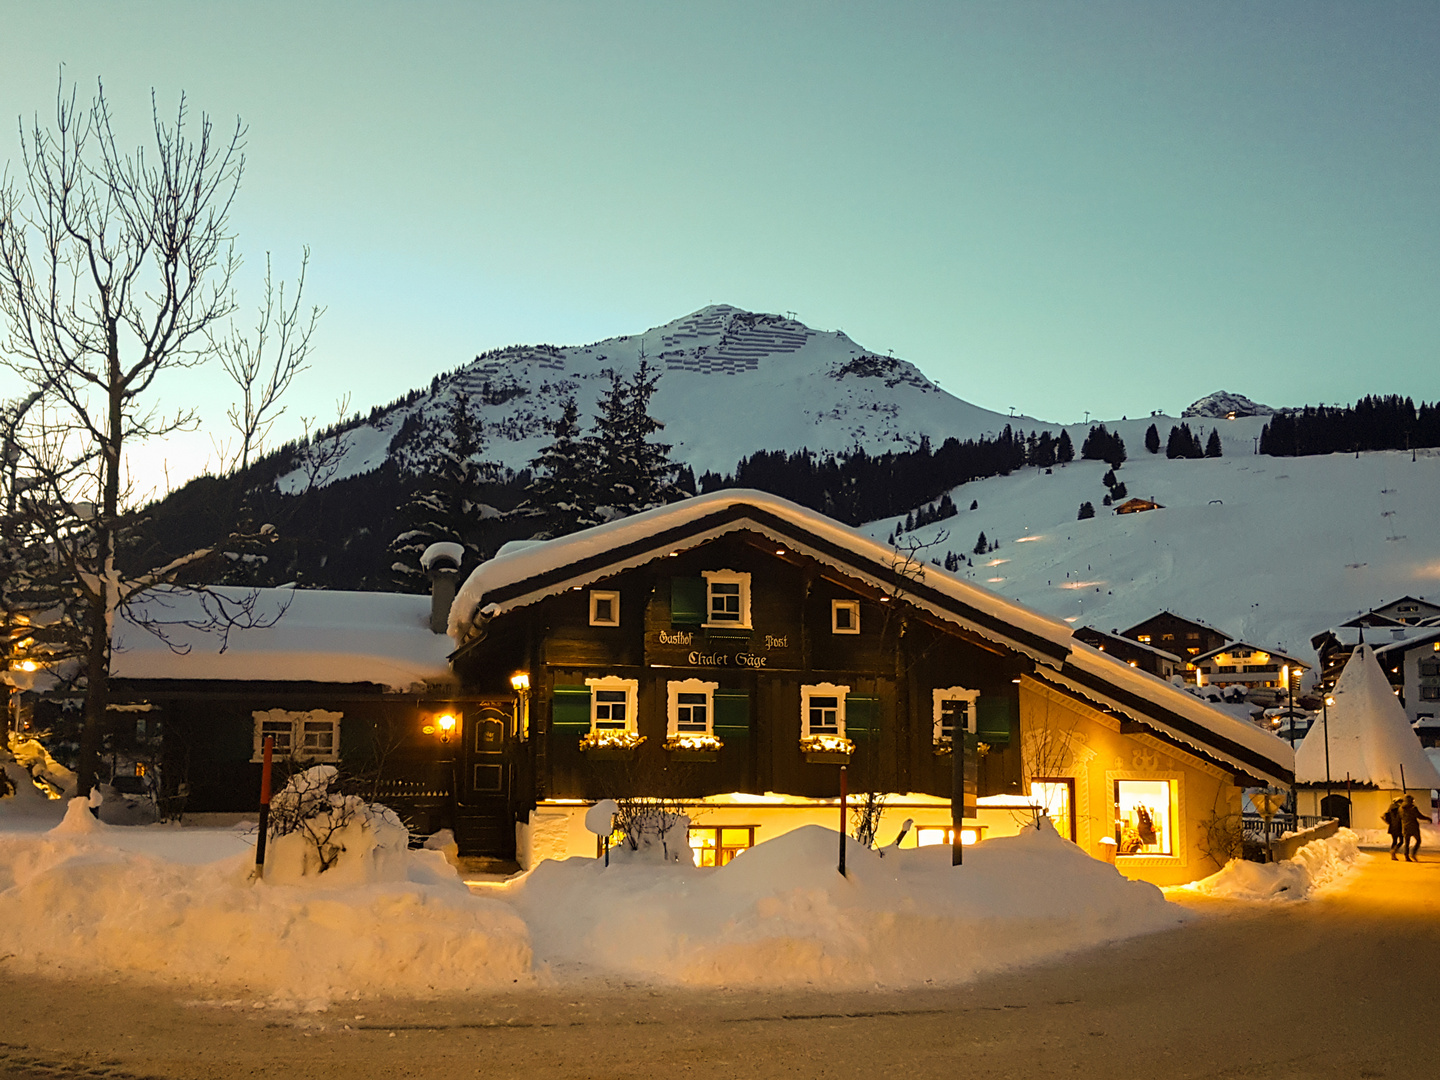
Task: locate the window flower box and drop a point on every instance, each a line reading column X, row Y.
column 827, row 749
column 610, row 745
column 694, row 747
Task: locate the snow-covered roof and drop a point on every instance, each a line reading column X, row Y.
column 529, row 575
column 1237, row 643
column 1179, row 714
column 1129, row 643
column 311, row 636
column 1403, row 641
column 1369, row 736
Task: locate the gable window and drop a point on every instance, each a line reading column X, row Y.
column 727, row 599
column 612, row 703
column 822, row 710
column 953, row 708
column 691, row 708
column 604, row 608
column 308, row 735
column 845, row 616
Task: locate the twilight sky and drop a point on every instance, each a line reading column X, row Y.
column 1058, row 207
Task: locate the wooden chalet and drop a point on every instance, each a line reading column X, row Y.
column 731, row 651
column 1186, row 638
column 1158, row 662
column 1239, row 663
column 1137, row 506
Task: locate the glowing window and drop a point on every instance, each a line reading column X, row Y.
column 1056, row 796
column 1143, row 817
column 716, row 845
column 935, row 837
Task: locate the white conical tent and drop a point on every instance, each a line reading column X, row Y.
column 1370, row 736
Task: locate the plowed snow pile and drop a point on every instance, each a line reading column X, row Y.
column 1318, row 864
column 780, row 915
column 177, row 906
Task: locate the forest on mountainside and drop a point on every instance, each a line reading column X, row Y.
column 1379, row 422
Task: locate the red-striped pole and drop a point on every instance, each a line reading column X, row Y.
column 843, row 815
column 264, row 807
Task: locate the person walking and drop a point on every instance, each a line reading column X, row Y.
column 1391, row 818
column 1410, row 826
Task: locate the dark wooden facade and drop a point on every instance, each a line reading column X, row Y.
column 1186, row 638
column 891, row 668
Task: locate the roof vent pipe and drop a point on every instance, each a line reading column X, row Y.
column 441, row 563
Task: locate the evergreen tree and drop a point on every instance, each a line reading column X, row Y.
column 1152, row 440
column 634, row 473
column 1087, row 510
column 1103, row 445
column 1064, row 448
column 563, row 487
column 981, row 544
column 1183, row 443
column 1212, row 447
column 974, row 504
column 1118, row 492
column 445, row 504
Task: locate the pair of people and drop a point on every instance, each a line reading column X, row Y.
column 1403, row 821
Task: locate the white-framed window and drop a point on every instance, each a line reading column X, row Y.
column 727, row 598
column 822, row 709
column 691, row 707
column 309, row 735
column 604, row 607
column 845, row 616
column 951, row 706
column 612, row 703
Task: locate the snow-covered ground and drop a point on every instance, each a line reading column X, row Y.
column 177, row 906
column 1272, row 550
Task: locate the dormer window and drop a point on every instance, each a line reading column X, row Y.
column 727, row 599
column 845, row 616
column 604, row 608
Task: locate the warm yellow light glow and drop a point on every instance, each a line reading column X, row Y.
column 1027, row 539
column 428, row 729
column 28, row 665
column 1329, row 701
column 445, row 723
column 520, row 681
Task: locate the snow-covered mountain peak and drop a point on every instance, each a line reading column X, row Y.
column 732, row 382
column 1223, row 405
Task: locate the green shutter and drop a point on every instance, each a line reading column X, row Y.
column 570, row 710
column 862, row 717
column 687, row 601
column 993, row 716
column 732, row 715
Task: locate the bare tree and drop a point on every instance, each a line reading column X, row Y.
column 264, row 363
column 116, row 268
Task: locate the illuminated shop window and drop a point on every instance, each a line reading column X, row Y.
column 1056, row 796
column 936, row 837
column 716, row 845
column 1143, row 824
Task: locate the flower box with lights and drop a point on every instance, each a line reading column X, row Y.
column 601, row 745
column 694, row 747
column 827, row 749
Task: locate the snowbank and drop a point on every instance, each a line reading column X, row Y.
column 1316, row 865
column 177, row 906
column 780, row 916
column 75, row 904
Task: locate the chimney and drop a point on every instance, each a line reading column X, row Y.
column 441, row 563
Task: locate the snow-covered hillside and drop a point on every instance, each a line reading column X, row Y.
column 1269, row 549
column 733, row 382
